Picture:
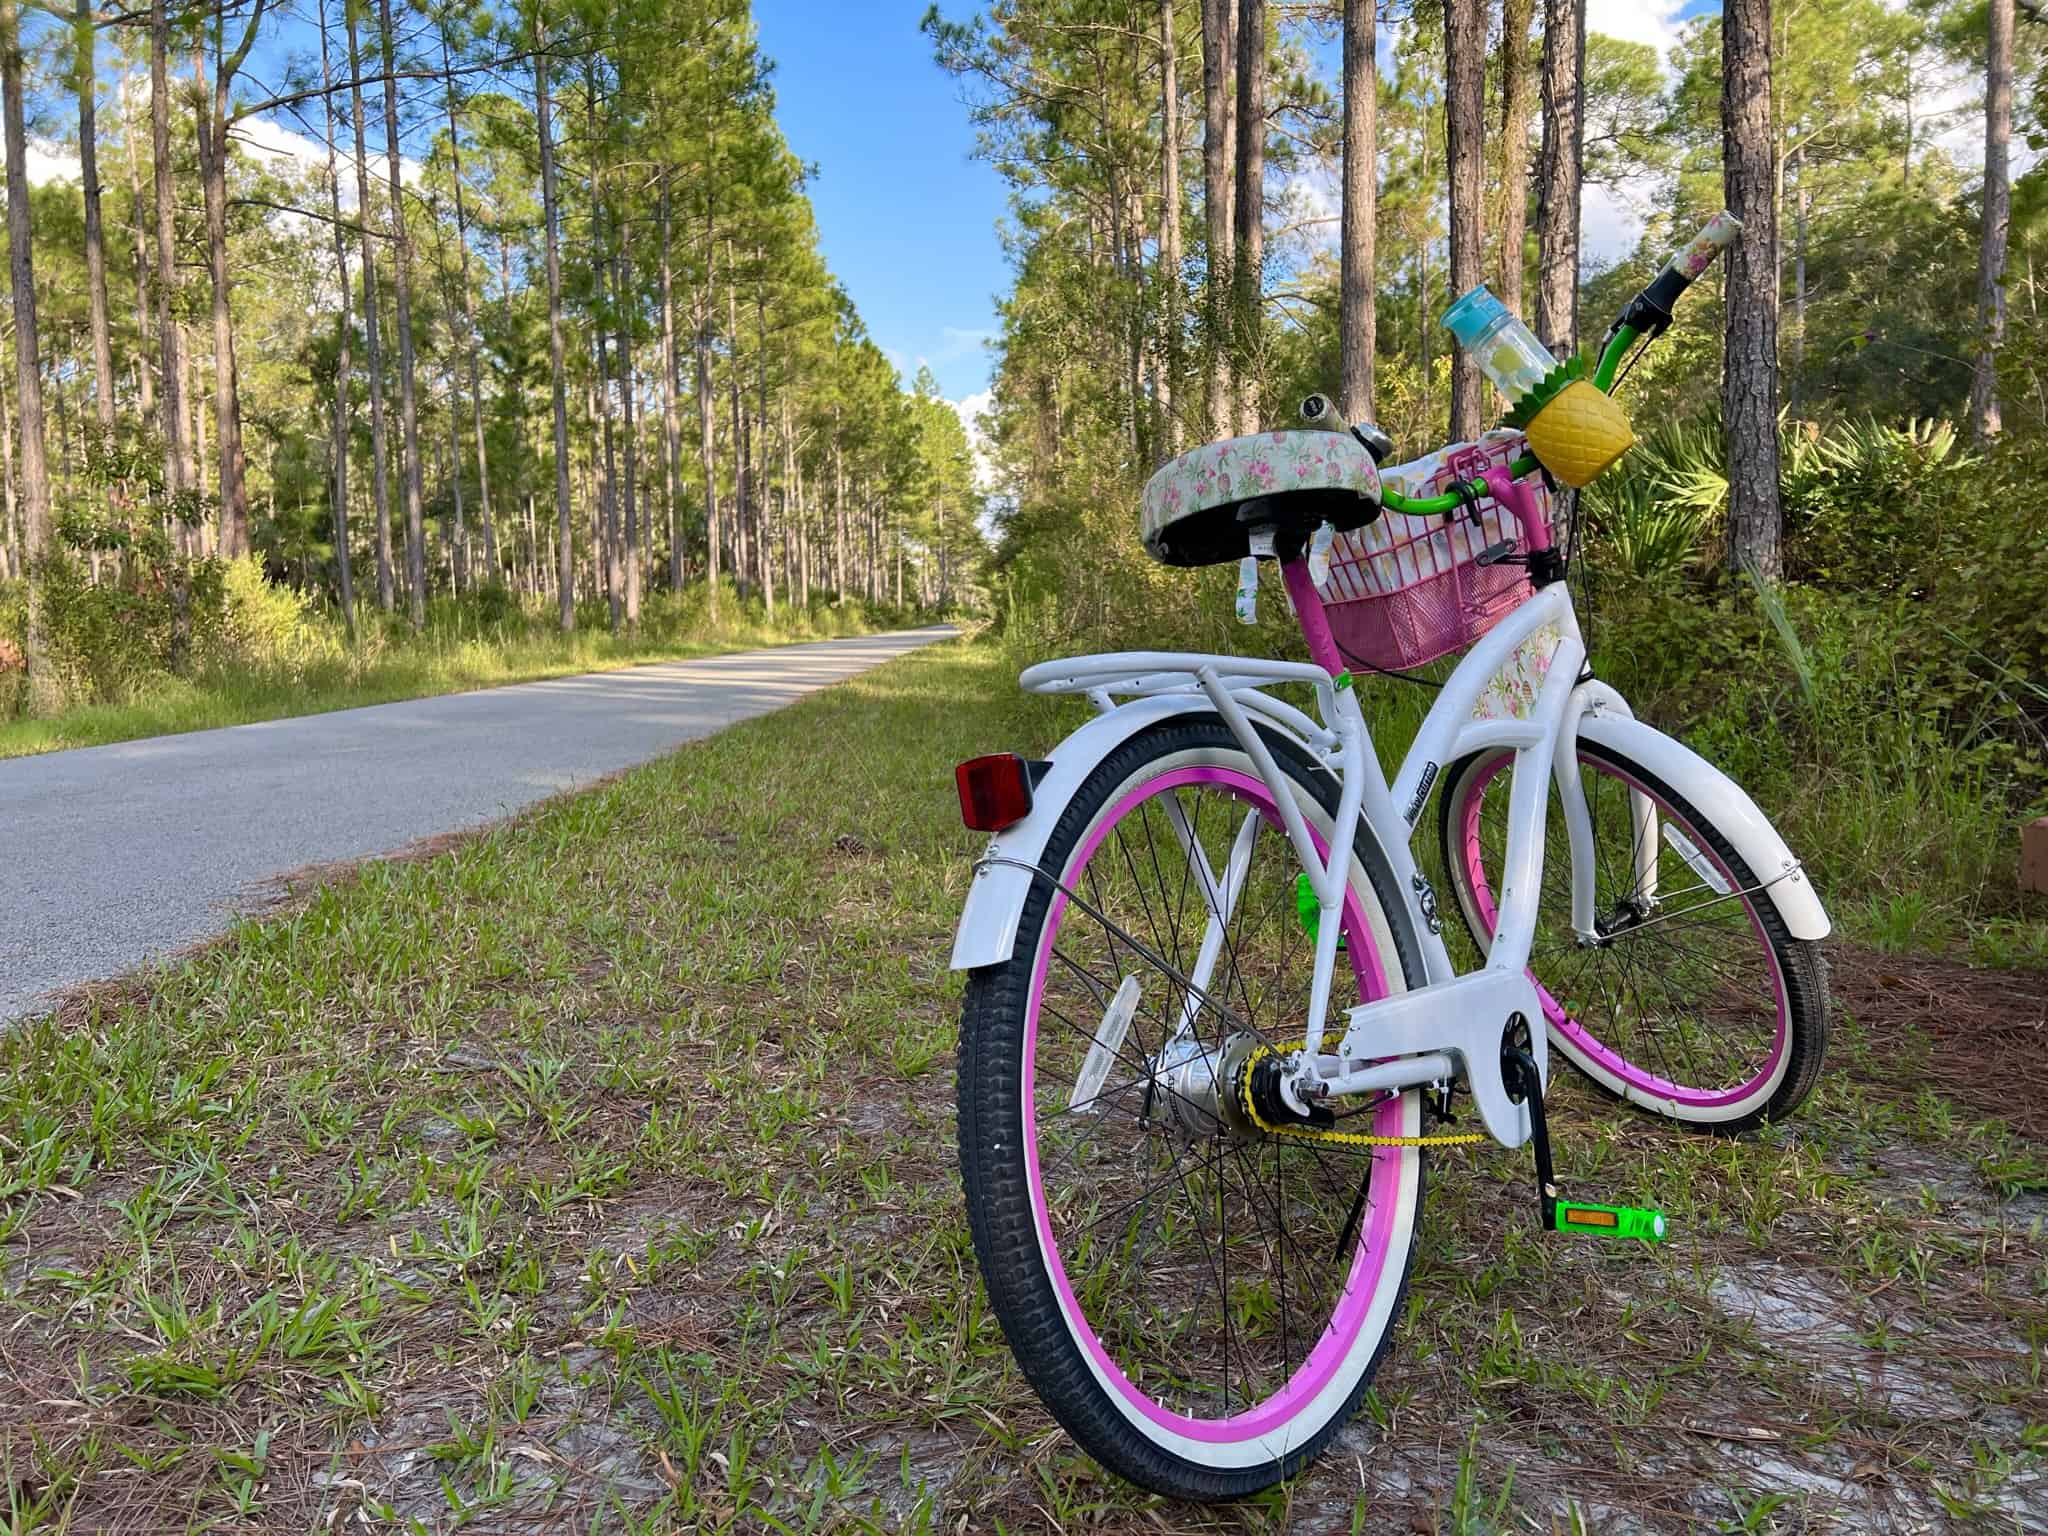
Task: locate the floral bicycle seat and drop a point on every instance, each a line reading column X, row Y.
column 1200, row 508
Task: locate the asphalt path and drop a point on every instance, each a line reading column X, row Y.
column 113, row 856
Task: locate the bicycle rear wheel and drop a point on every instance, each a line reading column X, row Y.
column 1199, row 1304
column 1691, row 999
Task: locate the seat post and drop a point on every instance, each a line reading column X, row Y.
column 1315, row 623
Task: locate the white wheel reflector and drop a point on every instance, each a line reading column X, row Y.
column 1109, row 1039
column 1689, row 851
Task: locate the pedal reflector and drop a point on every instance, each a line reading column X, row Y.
column 1610, row 1221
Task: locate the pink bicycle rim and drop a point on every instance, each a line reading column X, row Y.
column 1362, row 1282
column 1582, row 1039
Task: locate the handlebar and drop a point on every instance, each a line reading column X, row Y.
column 1647, row 314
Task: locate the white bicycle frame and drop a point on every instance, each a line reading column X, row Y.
column 1453, row 1026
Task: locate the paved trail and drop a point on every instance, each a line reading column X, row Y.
column 110, row 856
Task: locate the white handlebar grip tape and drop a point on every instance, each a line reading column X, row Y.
column 1319, row 556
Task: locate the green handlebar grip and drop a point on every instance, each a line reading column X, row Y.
column 1451, row 501
column 1610, row 1220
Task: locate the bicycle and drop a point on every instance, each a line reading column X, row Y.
column 1193, row 1169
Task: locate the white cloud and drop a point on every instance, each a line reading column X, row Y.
column 1310, row 205
column 970, row 412
column 50, row 162
column 1637, row 21
column 1611, row 219
column 267, row 141
column 956, row 342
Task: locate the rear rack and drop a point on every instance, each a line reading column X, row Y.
column 1147, row 674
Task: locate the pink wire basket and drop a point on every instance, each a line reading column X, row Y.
column 1405, row 590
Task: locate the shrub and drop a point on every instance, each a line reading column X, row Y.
column 270, row 628
column 1874, row 508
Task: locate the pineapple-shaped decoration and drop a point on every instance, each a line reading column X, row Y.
column 1578, row 432
column 1574, row 429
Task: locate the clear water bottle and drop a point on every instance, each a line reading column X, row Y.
column 1506, row 350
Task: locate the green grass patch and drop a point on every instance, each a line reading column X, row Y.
column 600, row 1171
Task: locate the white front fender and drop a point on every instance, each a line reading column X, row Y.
column 1725, row 805
column 996, row 895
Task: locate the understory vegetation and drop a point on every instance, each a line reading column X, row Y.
column 145, row 660
column 1879, row 688
column 564, row 1177
column 1885, row 704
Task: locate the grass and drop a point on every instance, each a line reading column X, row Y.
column 451, row 656
column 598, row 1173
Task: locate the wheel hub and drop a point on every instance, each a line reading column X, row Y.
column 1194, row 1088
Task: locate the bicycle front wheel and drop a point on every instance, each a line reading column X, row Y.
column 1199, row 1304
column 1690, row 998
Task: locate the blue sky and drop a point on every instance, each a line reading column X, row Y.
column 906, row 216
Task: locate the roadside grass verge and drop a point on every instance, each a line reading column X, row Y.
column 458, row 651
column 599, row 1173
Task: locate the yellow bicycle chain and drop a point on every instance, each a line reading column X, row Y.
column 1347, row 1138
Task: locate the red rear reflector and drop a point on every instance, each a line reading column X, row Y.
column 995, row 792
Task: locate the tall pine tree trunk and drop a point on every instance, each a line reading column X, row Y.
column 471, row 343
column 1219, row 184
column 551, row 218
column 458, row 552
column 44, row 696
column 1518, row 91
column 1559, row 173
column 1169, row 227
column 343, row 359
column 86, row 36
column 1749, row 383
column 1358, row 320
column 763, row 557
column 838, row 509
column 706, row 445
column 213, row 173
column 671, row 437
column 1464, row 133
column 743, row 468
column 145, row 377
column 1801, row 196
column 1984, row 423
column 624, row 270
column 380, row 418
column 600, row 401
column 1248, row 261
column 177, row 462
column 401, row 293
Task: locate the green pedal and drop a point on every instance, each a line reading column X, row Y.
column 1609, row 1220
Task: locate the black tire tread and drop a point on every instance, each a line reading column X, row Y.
column 992, row 1162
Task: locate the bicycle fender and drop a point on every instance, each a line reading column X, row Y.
column 996, row 895
column 1723, row 802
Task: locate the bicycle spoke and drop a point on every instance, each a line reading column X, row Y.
column 1203, row 1260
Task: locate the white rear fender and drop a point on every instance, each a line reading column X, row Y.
column 1725, row 805
column 1002, row 881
